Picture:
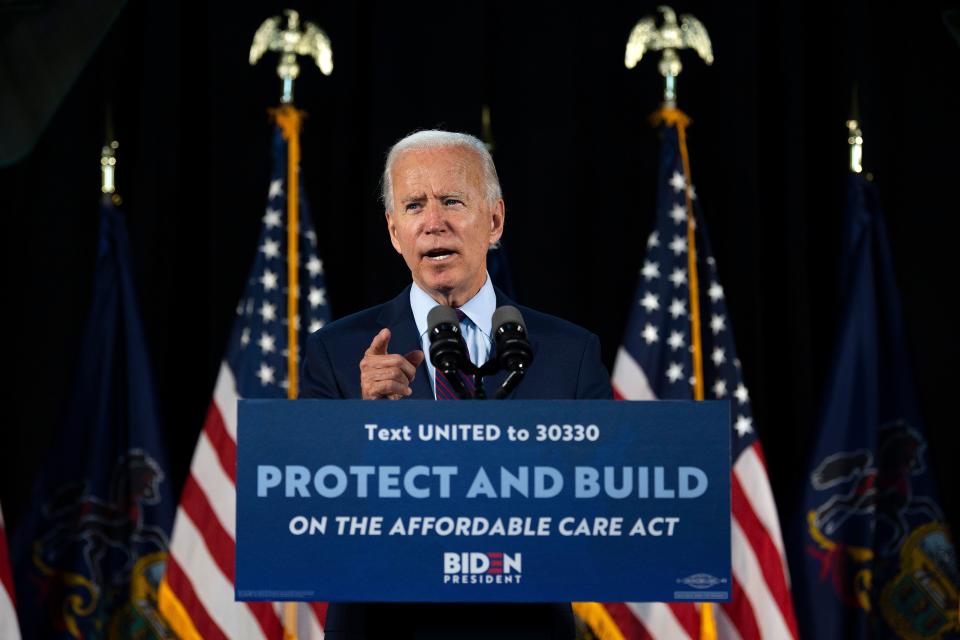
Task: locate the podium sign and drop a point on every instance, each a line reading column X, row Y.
column 511, row 501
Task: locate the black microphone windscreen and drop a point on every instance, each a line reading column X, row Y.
column 507, row 314
column 441, row 314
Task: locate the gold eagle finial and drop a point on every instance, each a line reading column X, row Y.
column 291, row 42
column 672, row 36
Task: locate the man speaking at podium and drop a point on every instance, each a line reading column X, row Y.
column 443, row 211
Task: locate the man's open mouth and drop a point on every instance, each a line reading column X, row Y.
column 439, row 255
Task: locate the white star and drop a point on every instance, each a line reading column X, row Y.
column 718, row 356
column 653, row 240
column 678, row 308
column 316, row 325
column 676, row 340
column 270, row 248
column 678, row 277
column 720, row 388
column 743, row 426
column 315, row 266
column 678, row 182
column 276, row 188
column 712, row 261
column 272, row 218
column 265, row 374
column 736, row 362
column 268, row 311
column 675, row 371
column 284, row 384
column 717, row 324
column 678, row 213
column 650, row 334
column 692, row 380
column 268, row 280
column 650, row 302
column 741, row 393
column 715, row 291
column 679, row 245
column 316, row 297
column 245, row 337
column 311, row 235
column 693, row 192
column 650, row 270
column 266, row 343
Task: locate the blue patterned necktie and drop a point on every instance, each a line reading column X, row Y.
column 442, row 383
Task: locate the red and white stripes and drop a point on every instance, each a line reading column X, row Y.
column 761, row 605
column 9, row 629
column 198, row 598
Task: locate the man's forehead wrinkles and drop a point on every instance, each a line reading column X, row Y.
column 451, row 166
column 419, row 175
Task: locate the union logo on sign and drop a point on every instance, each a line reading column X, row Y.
column 701, row 581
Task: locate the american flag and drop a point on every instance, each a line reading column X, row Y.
column 8, row 614
column 656, row 361
column 198, row 594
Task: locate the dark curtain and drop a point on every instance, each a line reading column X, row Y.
column 577, row 160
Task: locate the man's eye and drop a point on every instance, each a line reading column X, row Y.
column 413, row 206
column 449, row 202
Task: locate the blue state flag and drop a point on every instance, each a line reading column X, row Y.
column 875, row 559
column 89, row 557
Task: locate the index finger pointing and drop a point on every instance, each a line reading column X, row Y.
column 380, row 342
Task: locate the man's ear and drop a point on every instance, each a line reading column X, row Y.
column 392, row 231
column 497, row 219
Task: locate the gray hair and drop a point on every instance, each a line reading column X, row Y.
column 434, row 139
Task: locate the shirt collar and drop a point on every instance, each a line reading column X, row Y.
column 479, row 309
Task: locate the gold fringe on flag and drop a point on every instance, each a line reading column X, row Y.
column 290, row 119
column 679, row 120
column 598, row 619
column 175, row 613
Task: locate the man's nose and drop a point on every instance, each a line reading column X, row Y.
column 434, row 218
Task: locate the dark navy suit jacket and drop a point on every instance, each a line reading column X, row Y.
column 566, row 365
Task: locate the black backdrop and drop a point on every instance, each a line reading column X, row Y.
column 576, row 156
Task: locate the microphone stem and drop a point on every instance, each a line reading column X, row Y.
column 478, row 391
column 509, row 384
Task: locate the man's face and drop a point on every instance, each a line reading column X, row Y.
column 442, row 223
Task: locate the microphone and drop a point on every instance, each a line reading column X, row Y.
column 510, row 334
column 448, row 352
column 513, row 347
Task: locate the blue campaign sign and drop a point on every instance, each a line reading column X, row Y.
column 510, row 501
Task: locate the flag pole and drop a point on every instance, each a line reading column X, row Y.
column 289, row 119
column 677, row 119
column 854, row 135
column 108, row 171
column 669, row 38
column 292, row 41
column 855, row 141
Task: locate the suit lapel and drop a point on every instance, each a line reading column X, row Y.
column 404, row 338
